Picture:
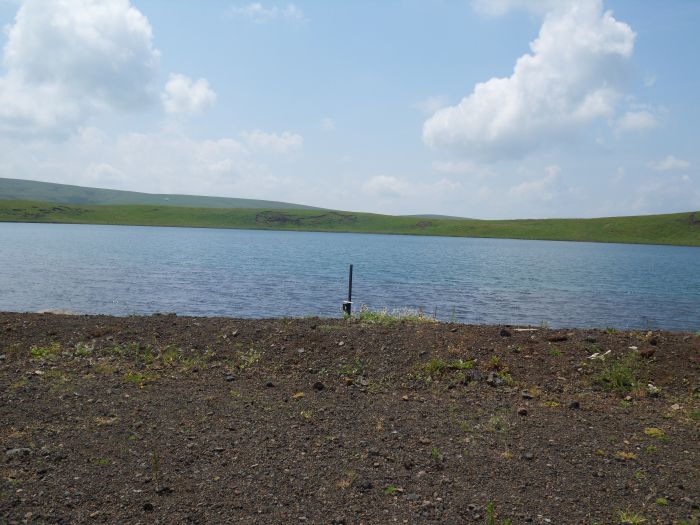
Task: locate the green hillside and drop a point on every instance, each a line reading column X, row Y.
column 17, row 189
column 678, row 228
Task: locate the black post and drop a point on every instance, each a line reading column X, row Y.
column 347, row 305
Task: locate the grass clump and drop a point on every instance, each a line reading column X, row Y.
column 356, row 368
column 365, row 315
column 45, row 352
column 626, row 517
column 437, row 367
column 621, row 375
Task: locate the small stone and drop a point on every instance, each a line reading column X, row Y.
column 647, row 352
column 300, row 350
column 522, row 411
column 318, row 386
column 424, row 441
column 528, row 456
column 574, row 405
column 591, row 340
column 229, row 378
column 18, row 452
column 494, row 379
column 412, row 497
column 526, row 395
column 148, row 507
column 654, row 341
column 558, row 338
column 2, row 357
column 269, row 384
column 453, row 330
column 505, row 333
column 341, row 343
column 675, row 406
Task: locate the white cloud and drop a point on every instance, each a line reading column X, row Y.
column 542, row 189
column 384, row 186
column 261, row 141
column 327, row 124
column 670, row 163
column 432, row 104
column 573, row 77
column 182, row 96
column 636, row 121
column 502, row 7
column 65, row 60
column 160, row 162
column 258, row 13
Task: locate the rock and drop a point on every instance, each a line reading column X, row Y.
column 647, row 352
column 522, row 411
column 654, row 341
column 494, row 379
column 2, row 357
column 505, row 333
column 558, row 338
column 412, row 497
column 591, row 339
column 365, row 485
column 574, row 405
column 453, row 330
column 341, row 343
column 269, row 384
column 148, row 507
column 229, row 378
column 318, row 386
column 526, row 394
column 528, row 456
column 18, row 453
column 424, row 441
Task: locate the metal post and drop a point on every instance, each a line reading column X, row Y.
column 347, row 305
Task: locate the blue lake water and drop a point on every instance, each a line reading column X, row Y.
column 125, row 270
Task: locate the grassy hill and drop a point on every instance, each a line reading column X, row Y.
column 17, row 189
column 677, row 229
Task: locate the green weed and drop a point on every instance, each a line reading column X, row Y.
column 45, row 352
column 621, row 375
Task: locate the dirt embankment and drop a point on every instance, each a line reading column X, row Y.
column 166, row 419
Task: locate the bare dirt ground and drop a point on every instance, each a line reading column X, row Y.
column 169, row 420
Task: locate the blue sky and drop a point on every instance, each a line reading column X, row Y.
column 498, row 109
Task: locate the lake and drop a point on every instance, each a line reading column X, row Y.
column 122, row 270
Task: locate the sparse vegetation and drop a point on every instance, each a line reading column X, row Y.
column 45, row 352
column 436, row 367
column 621, row 375
column 630, row 518
column 385, row 317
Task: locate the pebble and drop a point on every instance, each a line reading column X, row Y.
column 148, row 507
column 229, row 378
column 526, row 394
column 412, row 497
column 269, row 384
column 522, row 411
column 505, row 333
column 18, row 452
column 318, row 386
column 529, row 456
column 574, row 405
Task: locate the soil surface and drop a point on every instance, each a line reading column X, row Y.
column 168, row 419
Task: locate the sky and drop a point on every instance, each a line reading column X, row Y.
column 485, row 109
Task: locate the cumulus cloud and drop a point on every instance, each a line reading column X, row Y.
column 636, row 121
column 432, row 104
column 261, row 141
column 385, row 186
column 259, row 13
column 183, row 96
column 160, row 162
column 542, row 189
column 670, row 163
column 66, row 59
column 573, row 76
